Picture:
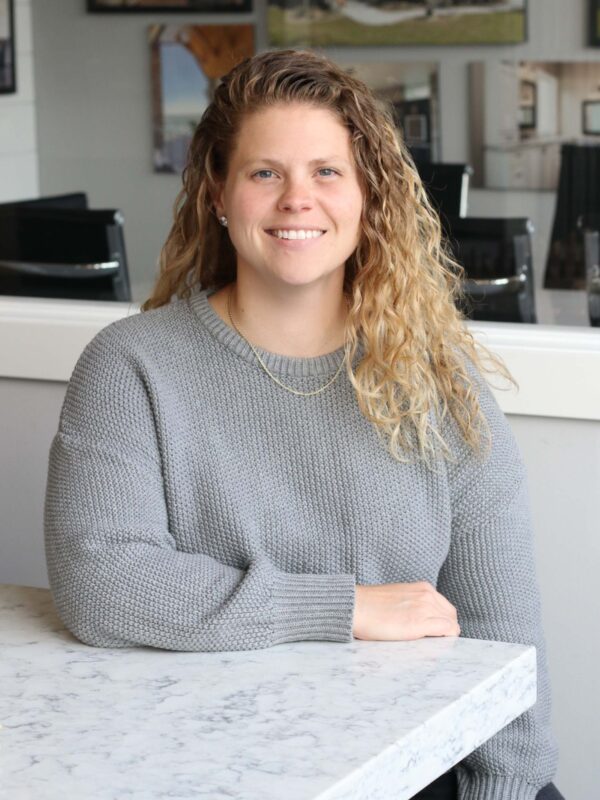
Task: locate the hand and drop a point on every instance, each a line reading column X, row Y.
column 402, row 611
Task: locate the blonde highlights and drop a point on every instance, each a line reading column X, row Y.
column 401, row 282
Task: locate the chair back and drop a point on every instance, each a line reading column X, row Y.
column 447, row 186
column 63, row 249
column 496, row 255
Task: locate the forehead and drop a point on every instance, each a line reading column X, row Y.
column 286, row 126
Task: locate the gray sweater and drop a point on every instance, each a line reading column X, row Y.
column 193, row 504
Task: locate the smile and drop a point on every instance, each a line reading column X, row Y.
column 296, row 234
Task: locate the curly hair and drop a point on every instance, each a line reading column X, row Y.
column 401, row 282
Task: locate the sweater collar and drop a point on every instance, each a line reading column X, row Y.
column 283, row 365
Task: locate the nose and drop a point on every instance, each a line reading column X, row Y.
column 295, row 196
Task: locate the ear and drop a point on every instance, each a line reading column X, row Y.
column 218, row 203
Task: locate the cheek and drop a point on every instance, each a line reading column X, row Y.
column 353, row 213
column 242, row 206
column 349, row 203
column 245, row 204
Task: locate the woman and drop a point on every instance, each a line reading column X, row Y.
column 293, row 441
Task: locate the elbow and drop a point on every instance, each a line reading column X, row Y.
column 83, row 613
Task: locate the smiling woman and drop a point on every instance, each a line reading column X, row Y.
column 294, row 440
column 293, row 202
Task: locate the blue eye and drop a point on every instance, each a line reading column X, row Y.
column 265, row 174
column 262, row 173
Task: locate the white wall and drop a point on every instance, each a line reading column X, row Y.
column 578, row 83
column 18, row 144
column 563, row 462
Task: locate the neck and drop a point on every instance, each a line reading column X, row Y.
column 306, row 325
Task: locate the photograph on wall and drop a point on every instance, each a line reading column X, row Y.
column 410, row 91
column 393, row 22
column 7, row 47
column 187, row 62
column 594, row 23
column 521, row 113
column 132, row 6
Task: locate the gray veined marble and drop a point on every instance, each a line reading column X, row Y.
column 301, row 721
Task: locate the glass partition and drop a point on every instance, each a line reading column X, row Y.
column 112, row 90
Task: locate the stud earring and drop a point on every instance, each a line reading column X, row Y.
column 223, row 221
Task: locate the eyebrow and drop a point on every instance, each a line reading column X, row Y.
column 279, row 164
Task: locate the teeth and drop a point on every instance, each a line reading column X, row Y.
column 304, row 234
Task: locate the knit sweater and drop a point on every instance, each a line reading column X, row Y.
column 194, row 504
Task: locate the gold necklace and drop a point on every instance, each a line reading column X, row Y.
column 264, row 366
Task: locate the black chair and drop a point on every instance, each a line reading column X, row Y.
column 447, row 186
column 71, row 200
column 589, row 226
column 578, row 195
column 58, row 247
column 497, row 258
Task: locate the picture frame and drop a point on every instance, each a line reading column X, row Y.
column 590, row 120
column 323, row 23
column 187, row 62
column 167, row 6
column 8, row 80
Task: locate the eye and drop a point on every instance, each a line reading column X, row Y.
column 329, row 171
column 263, row 173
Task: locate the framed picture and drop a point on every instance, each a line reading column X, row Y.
column 396, row 22
column 594, row 23
column 7, row 47
column 145, row 6
column 187, row 62
column 591, row 117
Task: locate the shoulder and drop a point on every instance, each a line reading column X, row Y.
column 142, row 335
column 145, row 325
column 118, row 368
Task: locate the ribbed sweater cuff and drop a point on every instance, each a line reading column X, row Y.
column 484, row 786
column 313, row 607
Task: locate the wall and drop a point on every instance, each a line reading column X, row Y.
column 577, row 84
column 563, row 461
column 94, row 110
column 18, row 143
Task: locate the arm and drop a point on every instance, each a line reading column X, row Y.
column 489, row 576
column 116, row 574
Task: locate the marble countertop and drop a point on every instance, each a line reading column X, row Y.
column 304, row 721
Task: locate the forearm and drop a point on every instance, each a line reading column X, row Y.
column 118, row 579
column 139, row 594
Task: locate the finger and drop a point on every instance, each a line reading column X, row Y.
column 442, row 626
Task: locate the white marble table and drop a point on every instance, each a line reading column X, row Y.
column 300, row 721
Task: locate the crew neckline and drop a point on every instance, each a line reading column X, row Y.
column 284, row 365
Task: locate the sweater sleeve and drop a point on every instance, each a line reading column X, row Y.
column 115, row 572
column 489, row 576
